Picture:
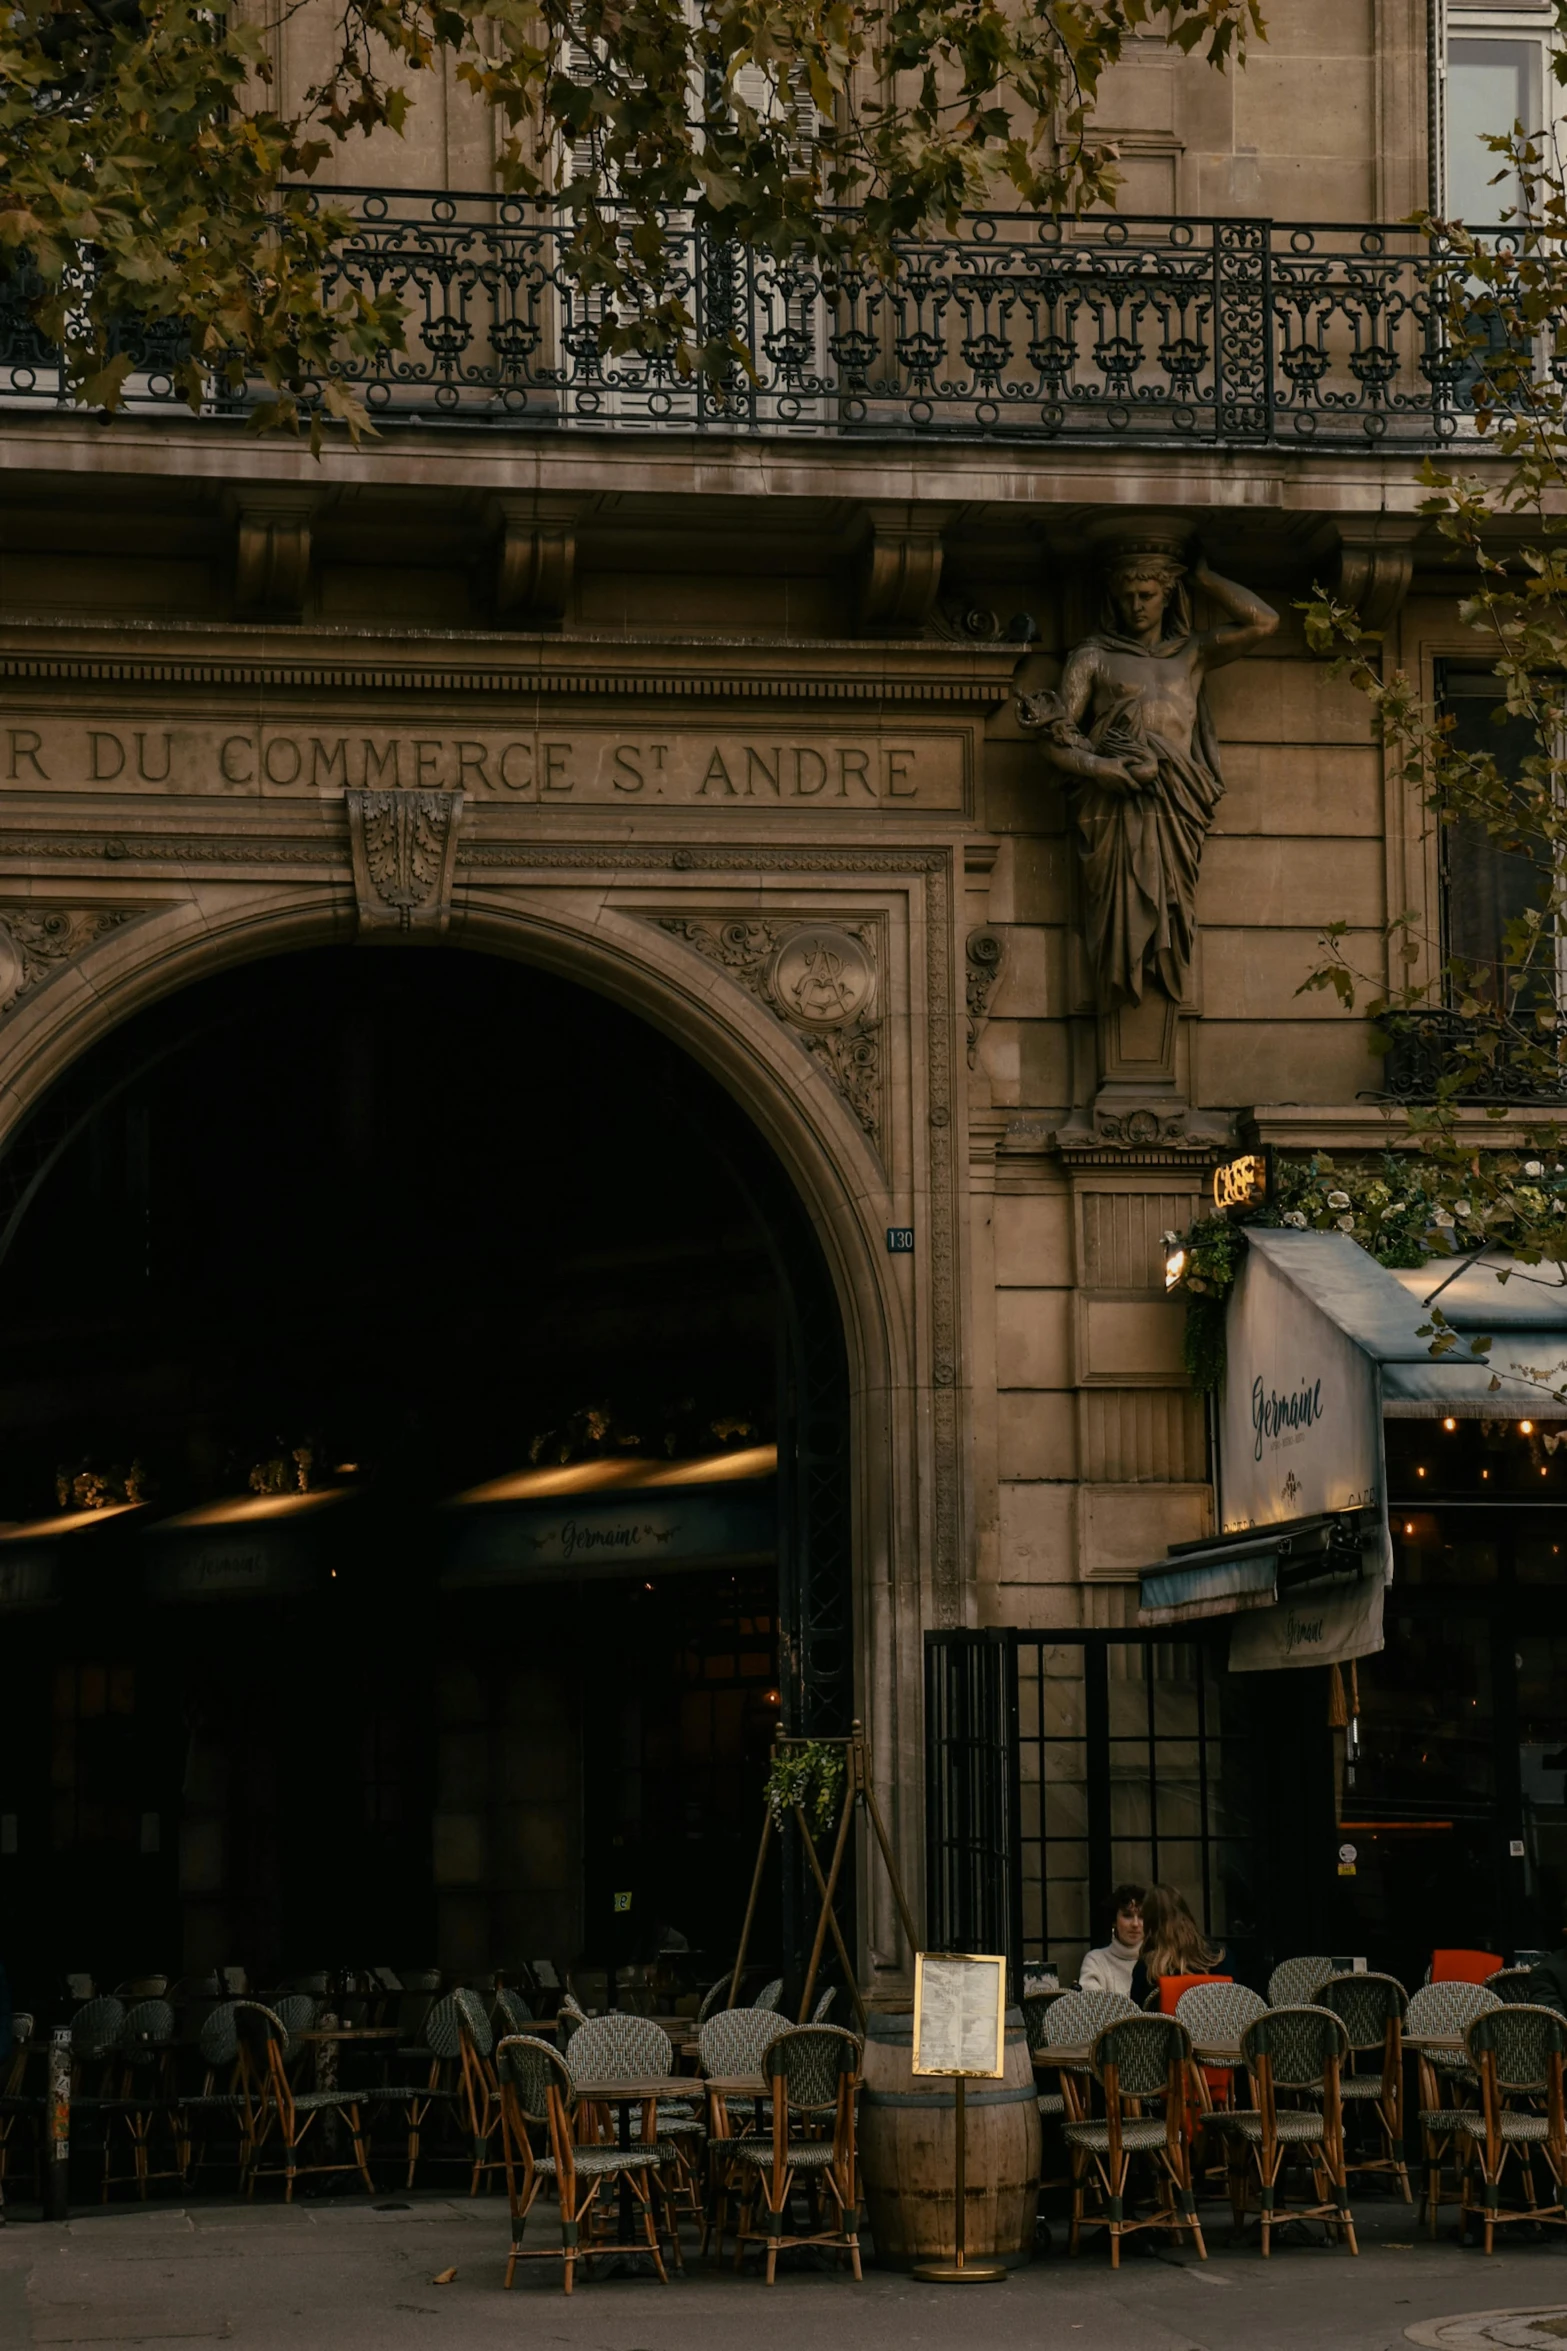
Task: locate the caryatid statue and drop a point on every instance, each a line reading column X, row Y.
column 1131, row 733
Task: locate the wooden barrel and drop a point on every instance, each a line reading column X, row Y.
column 907, row 2152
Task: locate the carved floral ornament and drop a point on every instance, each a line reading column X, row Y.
column 36, row 941
column 820, row 979
column 404, row 849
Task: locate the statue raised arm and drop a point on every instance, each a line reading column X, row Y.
column 1131, row 734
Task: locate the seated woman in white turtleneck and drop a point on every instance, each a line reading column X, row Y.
column 1109, row 1969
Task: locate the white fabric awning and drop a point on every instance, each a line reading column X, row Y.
column 1321, row 1344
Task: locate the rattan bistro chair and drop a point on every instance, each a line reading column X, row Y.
column 732, row 2045
column 1215, row 2015
column 146, row 2097
column 23, row 2096
column 1449, row 2085
column 1075, row 2021
column 1517, row 2053
column 1296, row 1982
column 1511, row 1985
column 1371, row 2010
column 815, row 2071
column 1137, row 2062
column 621, row 2046
column 1293, row 2056
column 265, row 2051
column 538, row 2128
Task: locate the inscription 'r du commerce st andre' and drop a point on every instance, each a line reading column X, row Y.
column 923, row 769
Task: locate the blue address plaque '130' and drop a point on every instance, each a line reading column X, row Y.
column 900, row 1240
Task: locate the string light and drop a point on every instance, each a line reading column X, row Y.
column 1450, row 1424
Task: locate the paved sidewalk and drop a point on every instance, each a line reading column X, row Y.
column 349, row 2276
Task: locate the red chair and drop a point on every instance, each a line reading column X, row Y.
column 1172, row 1986
column 1464, row 1967
column 1217, row 2078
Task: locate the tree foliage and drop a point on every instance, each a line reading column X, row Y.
column 1501, row 299
column 147, row 176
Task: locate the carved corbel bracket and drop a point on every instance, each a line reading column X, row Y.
column 899, row 557
column 272, row 551
column 535, row 557
column 404, row 848
column 984, row 956
column 1376, row 565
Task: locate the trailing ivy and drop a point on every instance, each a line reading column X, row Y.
column 810, row 1774
column 1399, row 1209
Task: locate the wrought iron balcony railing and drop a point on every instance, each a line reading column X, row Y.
column 1234, row 333
column 1426, row 1048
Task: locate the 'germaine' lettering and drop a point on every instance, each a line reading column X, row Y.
column 1273, row 1413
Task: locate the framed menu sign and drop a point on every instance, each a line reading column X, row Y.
column 960, row 2006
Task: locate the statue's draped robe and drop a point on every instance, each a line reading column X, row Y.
column 1140, row 850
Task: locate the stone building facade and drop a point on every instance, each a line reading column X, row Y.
column 716, row 716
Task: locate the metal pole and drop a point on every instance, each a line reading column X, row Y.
column 960, row 2133
column 57, row 2156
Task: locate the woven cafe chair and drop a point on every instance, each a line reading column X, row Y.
column 445, row 2078
column 1292, row 2055
column 1295, row 1983
column 23, row 2096
column 1137, row 2062
column 1517, row 2053
column 146, row 2096
column 538, row 2132
column 478, row 2089
column 1448, row 2084
column 1075, row 2021
column 1510, row 1985
column 95, row 2049
column 620, row 2047
column 1371, row 2010
column 510, row 2013
column 824, row 2006
column 713, row 1999
column 770, row 1994
column 815, row 2072
column 732, row 2045
column 229, row 2092
column 265, row 2051
column 1215, row 2015
column 142, row 1987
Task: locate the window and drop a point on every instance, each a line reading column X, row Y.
column 1496, row 74
column 1485, row 884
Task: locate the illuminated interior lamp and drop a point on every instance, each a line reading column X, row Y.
column 1174, row 1267
column 1409, row 1526
column 1450, row 1424
column 1420, row 1473
column 1526, row 1428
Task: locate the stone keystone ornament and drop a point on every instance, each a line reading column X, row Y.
column 1131, row 735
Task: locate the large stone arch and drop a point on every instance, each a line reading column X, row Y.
column 170, row 943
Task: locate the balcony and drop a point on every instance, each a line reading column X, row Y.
column 1020, row 329
column 1428, row 1048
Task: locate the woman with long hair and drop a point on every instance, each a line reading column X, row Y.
column 1173, row 1943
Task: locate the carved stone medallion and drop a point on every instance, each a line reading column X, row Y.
column 35, row 942
column 820, row 980
column 404, row 846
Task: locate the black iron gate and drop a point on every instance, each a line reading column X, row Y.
column 1061, row 1764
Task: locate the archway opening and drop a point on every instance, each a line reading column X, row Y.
column 426, row 1461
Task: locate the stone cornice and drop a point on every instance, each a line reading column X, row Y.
column 833, row 672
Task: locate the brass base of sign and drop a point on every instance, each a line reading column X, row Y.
column 960, row 2271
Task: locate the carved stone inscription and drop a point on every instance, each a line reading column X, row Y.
column 773, row 765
